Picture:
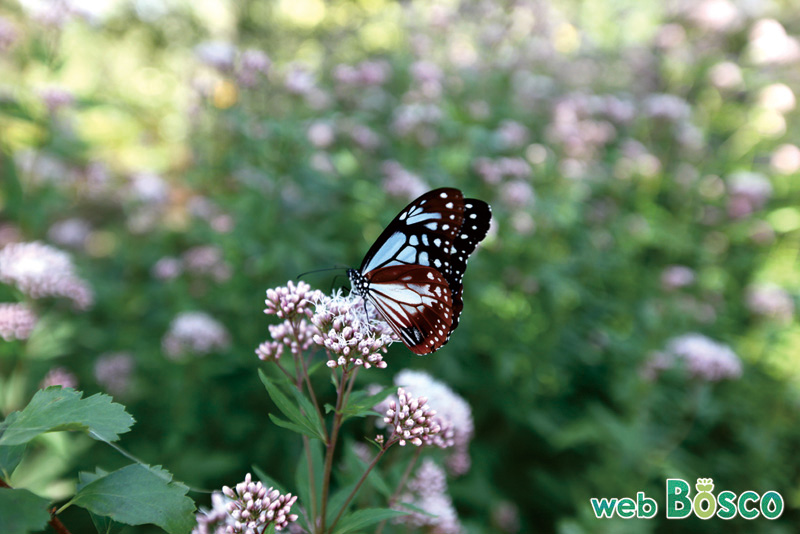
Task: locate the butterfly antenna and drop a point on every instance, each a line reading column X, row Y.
column 299, row 276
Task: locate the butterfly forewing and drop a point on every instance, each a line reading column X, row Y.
column 413, row 272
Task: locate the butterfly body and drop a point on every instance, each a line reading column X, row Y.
column 413, row 272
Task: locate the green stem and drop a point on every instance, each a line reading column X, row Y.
column 361, row 481
column 401, row 485
column 337, row 422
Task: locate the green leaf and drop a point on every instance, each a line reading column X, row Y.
column 361, row 404
column 10, row 457
column 297, row 419
column 138, row 495
column 54, row 409
column 293, row 427
column 363, row 518
column 337, row 499
column 309, row 412
column 21, row 511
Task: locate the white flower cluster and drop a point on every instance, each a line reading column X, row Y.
column 194, row 332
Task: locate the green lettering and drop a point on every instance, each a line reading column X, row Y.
column 646, row 507
column 679, row 506
column 727, row 509
column 603, row 507
column 744, row 498
column 772, row 505
column 626, row 508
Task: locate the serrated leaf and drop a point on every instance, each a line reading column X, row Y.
column 55, row 408
column 138, row 495
column 363, row 518
column 21, row 511
column 10, row 457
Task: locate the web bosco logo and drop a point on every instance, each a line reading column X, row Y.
column 705, row 505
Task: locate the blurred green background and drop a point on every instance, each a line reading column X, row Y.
column 642, row 164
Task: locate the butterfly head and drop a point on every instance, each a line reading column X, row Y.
column 358, row 283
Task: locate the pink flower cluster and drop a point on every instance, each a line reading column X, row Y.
column 254, row 507
column 39, row 270
column 769, row 300
column 400, row 182
column 702, row 358
column 411, row 419
column 350, row 333
column 291, row 301
column 453, row 414
column 59, row 376
column 194, row 333
column 428, row 493
column 16, row 321
column 113, row 371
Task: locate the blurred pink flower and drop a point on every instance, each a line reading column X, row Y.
column 365, row 137
column 786, row 159
column 300, row 81
column 667, row 107
column 511, row 134
column 56, row 98
column 400, row 182
column 216, row 520
column 777, row 97
column 207, row 260
column 748, row 193
column 505, row 515
column 148, row 187
column 769, row 43
column 253, row 65
column 219, row 55
column 427, row 491
column 167, row 268
column 59, row 376
column 676, row 277
column 17, row 321
column 726, row 75
column 770, row 300
column 194, row 333
column 39, row 270
column 517, row 194
column 113, row 371
column 702, row 357
column 8, row 34
column 321, row 134
column 70, row 232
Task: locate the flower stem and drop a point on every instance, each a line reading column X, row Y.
column 361, row 481
column 401, row 485
column 337, row 422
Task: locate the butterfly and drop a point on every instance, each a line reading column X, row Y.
column 412, row 273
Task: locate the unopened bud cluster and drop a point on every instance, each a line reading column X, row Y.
column 290, row 301
column 254, row 507
column 411, row 419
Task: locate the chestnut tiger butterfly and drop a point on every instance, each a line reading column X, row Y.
column 412, row 273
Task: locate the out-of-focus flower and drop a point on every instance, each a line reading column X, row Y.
column 676, row 277
column 300, row 81
column 366, row 73
column 400, row 182
column 59, row 376
column 321, row 134
column 56, row 98
column 517, row 194
column 411, row 419
column 452, row 413
column 149, row 188
column 16, row 321
column 194, row 333
column 725, row 75
column 511, row 134
column 8, row 34
column 419, row 120
column 253, row 65
column 39, row 270
column 41, row 167
column 749, row 191
column 215, row 520
column 365, row 137
column 786, row 159
column 292, row 300
column 219, row 55
column 777, row 97
column 348, row 333
column 167, row 268
column 667, row 107
column 770, row 44
column 207, row 260
column 254, row 507
column 505, row 515
column 702, row 358
column 427, row 491
column 70, row 232
column 715, row 15
column 113, row 371
column 9, row 233
column 770, row 300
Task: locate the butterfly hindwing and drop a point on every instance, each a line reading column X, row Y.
column 413, row 272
